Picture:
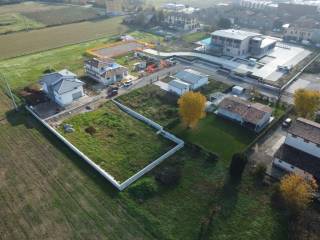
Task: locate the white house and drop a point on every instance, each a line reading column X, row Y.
column 179, row 87
column 105, row 71
column 62, row 87
column 194, row 78
column 300, row 152
column 255, row 116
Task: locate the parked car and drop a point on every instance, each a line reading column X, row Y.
column 127, row 83
column 287, row 123
column 113, row 91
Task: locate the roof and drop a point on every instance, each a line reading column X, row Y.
column 61, row 82
column 234, row 34
column 179, row 84
column 250, row 112
column 306, row 129
column 190, row 76
column 299, row 159
column 99, row 62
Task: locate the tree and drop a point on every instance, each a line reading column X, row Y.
column 297, row 192
column 224, row 23
column 143, row 189
column 192, row 108
column 306, row 102
column 238, row 163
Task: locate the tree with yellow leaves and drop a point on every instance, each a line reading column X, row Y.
column 306, row 102
column 192, row 108
column 297, row 192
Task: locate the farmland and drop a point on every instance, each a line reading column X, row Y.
column 31, row 67
column 63, row 15
column 116, row 138
column 22, row 43
column 33, row 15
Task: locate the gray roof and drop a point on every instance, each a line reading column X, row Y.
column 306, row 129
column 179, row 84
column 61, row 82
column 190, row 76
column 234, row 34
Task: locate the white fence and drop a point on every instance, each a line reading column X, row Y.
column 110, row 178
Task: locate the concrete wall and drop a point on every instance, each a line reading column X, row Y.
column 200, row 83
column 177, row 90
column 300, row 144
column 110, row 178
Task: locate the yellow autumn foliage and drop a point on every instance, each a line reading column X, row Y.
column 306, row 102
column 297, row 191
column 192, row 108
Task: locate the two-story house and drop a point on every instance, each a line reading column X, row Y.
column 300, row 152
column 62, row 87
column 105, row 71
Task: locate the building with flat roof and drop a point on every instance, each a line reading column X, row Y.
column 235, row 43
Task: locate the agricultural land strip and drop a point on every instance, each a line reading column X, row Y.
column 22, row 43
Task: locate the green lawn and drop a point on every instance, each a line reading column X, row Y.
column 114, row 144
column 194, row 37
column 218, row 135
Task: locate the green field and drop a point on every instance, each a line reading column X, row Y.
column 47, row 192
column 31, row 67
column 114, row 144
column 21, row 43
column 63, row 15
column 16, row 22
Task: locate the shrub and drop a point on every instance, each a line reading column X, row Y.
column 143, row 189
column 169, row 176
column 48, row 70
column 260, row 171
column 91, row 130
column 238, row 163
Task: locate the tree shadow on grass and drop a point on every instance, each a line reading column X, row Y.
column 222, row 208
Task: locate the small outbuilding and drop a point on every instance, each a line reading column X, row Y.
column 194, row 78
column 179, row 87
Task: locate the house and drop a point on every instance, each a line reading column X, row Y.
column 255, row 116
column 105, row 70
column 235, row 43
column 300, row 152
column 179, row 87
column 181, row 20
column 62, row 87
column 194, row 78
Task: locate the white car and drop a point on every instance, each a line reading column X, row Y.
column 127, row 83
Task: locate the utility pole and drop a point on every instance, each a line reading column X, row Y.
column 9, row 90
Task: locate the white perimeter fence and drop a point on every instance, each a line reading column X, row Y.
column 106, row 175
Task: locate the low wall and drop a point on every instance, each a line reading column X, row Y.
column 110, row 178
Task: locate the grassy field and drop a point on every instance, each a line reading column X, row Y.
column 152, row 103
column 21, row 43
column 63, row 15
column 115, row 143
column 16, row 22
column 47, row 192
column 31, row 67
